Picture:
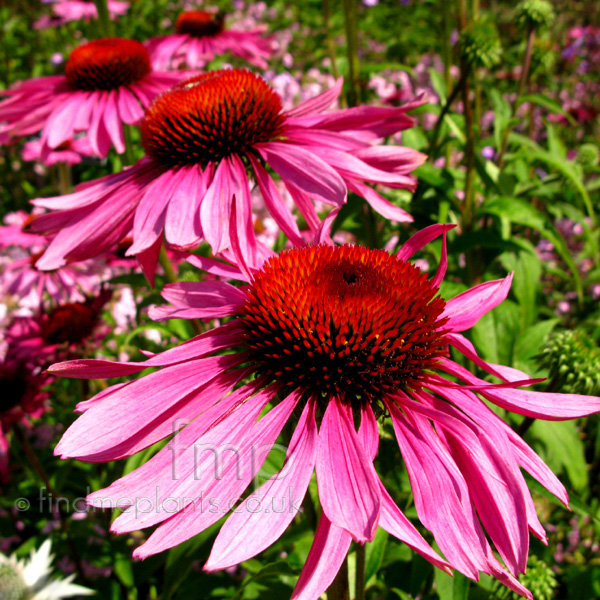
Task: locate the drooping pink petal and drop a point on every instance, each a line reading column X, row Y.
column 225, row 336
column 380, row 205
column 151, row 211
column 225, row 485
column 327, row 553
column 495, row 483
column 216, row 208
column 348, row 484
column 441, row 494
column 200, row 300
column 217, row 268
column 128, row 411
column 275, row 203
column 539, row 405
column 245, row 239
column 464, row 310
column 420, row 239
column 246, row 533
column 319, row 103
column 306, row 171
column 182, row 224
column 177, row 471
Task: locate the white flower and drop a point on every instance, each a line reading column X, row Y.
column 30, row 579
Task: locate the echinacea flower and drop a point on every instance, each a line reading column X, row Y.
column 200, row 36
column 204, row 139
column 63, row 331
column 107, row 82
column 20, row 277
column 31, row 579
column 65, row 11
column 333, row 336
column 70, row 152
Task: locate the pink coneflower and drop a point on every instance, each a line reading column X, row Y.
column 65, row 11
column 22, row 398
column 107, row 82
column 64, row 331
column 203, row 138
column 70, row 152
column 333, row 336
column 200, row 36
column 20, row 277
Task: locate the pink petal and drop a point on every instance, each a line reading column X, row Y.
column 319, row 103
column 420, row 239
column 440, row 493
column 380, row 205
column 247, row 533
column 178, row 471
column 275, row 204
column 182, row 224
column 151, row 211
column 127, row 412
column 327, row 553
column 539, row 405
column 216, row 208
column 464, row 310
column 348, row 484
column 306, row 171
column 225, row 485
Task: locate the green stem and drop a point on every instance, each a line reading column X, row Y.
column 64, row 178
column 360, row 571
column 351, row 22
column 129, row 155
column 330, row 42
column 165, row 263
column 339, row 588
column 37, row 467
column 521, row 88
column 106, row 27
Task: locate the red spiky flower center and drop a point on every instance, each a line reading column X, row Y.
column 349, row 321
column 210, row 117
column 200, row 23
column 107, row 64
column 69, row 323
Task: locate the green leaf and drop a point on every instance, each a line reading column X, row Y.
column 548, row 103
column 563, row 449
column 451, row 588
column 529, row 344
column 375, row 551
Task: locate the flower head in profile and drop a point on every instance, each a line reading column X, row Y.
column 107, row 82
column 31, row 579
column 332, row 339
column 206, row 139
column 64, row 11
column 200, row 36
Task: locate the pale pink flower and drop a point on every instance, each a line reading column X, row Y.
column 107, row 82
column 202, row 35
column 70, row 152
column 65, row 11
column 334, row 336
column 33, row 287
column 203, row 139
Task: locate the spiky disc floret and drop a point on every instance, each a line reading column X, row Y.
column 210, row 117
column 107, row 64
column 200, row 23
column 349, row 321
